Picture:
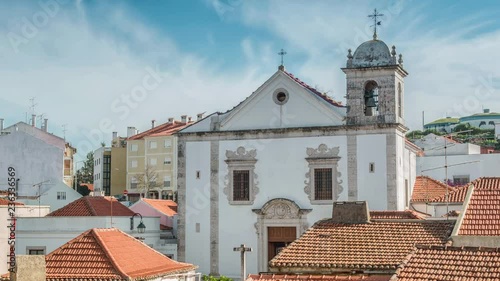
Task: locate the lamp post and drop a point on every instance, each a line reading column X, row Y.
column 141, row 228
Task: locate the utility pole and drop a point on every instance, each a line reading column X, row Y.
column 243, row 249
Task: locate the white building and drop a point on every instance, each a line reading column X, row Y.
column 263, row 172
column 434, row 145
column 102, row 171
column 54, row 194
column 21, row 211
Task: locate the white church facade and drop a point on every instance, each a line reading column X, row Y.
column 266, row 170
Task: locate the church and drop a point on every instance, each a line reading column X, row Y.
column 265, row 171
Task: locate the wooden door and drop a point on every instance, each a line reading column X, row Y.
column 278, row 238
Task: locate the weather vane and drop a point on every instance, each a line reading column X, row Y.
column 282, row 53
column 375, row 22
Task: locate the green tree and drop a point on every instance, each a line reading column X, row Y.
column 85, row 175
column 216, row 278
column 148, row 181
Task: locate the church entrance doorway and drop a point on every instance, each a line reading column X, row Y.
column 279, row 238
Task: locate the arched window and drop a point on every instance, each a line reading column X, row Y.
column 371, row 98
column 400, row 101
column 482, row 123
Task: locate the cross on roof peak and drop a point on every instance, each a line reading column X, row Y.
column 282, row 53
column 376, row 22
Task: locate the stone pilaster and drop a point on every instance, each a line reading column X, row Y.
column 181, row 200
column 352, row 168
column 392, row 185
column 214, row 208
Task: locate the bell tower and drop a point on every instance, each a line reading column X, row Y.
column 375, row 84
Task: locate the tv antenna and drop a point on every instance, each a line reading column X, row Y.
column 39, row 185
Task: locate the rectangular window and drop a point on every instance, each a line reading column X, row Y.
column 166, row 181
column 241, row 185
column 152, row 161
column 461, row 180
column 323, row 184
column 133, row 163
column 134, row 147
column 168, row 143
column 61, row 195
column 198, row 174
column 167, row 161
column 133, row 183
column 36, row 251
column 371, row 167
column 152, row 145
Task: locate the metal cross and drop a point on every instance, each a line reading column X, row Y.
column 375, row 22
column 282, row 53
column 242, row 249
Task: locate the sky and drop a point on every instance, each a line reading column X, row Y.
column 94, row 67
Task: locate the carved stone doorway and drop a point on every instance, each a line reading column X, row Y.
column 276, row 222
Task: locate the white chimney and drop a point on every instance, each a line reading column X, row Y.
column 33, row 120
column 45, row 124
column 183, row 118
column 153, row 123
column 189, row 118
column 171, row 120
column 115, row 135
column 131, row 131
column 1, row 125
column 199, row 116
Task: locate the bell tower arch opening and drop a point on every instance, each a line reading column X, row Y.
column 371, row 98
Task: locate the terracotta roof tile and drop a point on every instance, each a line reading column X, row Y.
column 168, row 207
column 325, row 97
column 408, row 214
column 166, row 129
column 299, row 277
column 455, row 196
column 375, row 245
column 482, row 216
column 109, row 254
column 93, row 206
column 5, row 202
column 451, row 263
column 426, row 189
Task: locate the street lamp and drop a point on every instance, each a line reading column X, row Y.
column 141, row 228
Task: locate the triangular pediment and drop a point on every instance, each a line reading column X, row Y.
column 283, row 102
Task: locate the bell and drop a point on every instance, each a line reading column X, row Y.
column 370, row 102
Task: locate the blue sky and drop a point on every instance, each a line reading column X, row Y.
column 79, row 58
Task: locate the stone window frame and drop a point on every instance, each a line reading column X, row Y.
column 238, row 160
column 36, row 248
column 321, row 158
column 275, row 96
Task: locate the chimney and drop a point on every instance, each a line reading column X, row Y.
column 183, row 118
column 153, row 123
column 171, row 120
column 30, row 268
column 33, row 120
column 199, row 116
column 189, row 118
column 1, row 125
column 131, row 131
column 115, row 135
column 45, row 123
column 350, row 212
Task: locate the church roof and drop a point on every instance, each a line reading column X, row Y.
column 110, row 255
column 93, row 206
column 314, row 90
column 372, row 53
column 377, row 245
column 450, row 263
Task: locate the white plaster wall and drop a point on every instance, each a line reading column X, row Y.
column 281, row 169
column 52, row 232
column 409, row 170
column 260, row 111
column 49, row 196
column 372, row 187
column 474, row 165
column 198, row 205
column 401, row 193
column 35, row 160
column 21, row 211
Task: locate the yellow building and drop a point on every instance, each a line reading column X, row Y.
column 152, row 162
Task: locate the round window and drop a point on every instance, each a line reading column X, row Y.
column 280, row 96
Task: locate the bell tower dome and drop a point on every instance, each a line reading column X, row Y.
column 375, row 85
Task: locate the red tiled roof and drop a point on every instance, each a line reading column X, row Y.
column 5, row 202
column 93, row 206
column 405, row 215
column 299, row 277
column 165, row 129
column 451, row 263
column 426, row 189
column 456, row 196
column 482, row 216
column 378, row 245
column 168, row 207
column 314, row 91
column 109, row 254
